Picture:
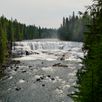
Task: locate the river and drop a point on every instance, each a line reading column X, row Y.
column 46, row 72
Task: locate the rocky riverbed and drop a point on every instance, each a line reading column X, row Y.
column 45, row 76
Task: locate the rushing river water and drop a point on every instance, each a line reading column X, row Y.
column 46, row 72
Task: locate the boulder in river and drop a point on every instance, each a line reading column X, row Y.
column 38, row 79
column 49, row 76
column 17, row 88
column 43, row 85
column 24, row 71
column 52, row 78
column 27, row 53
column 63, row 57
column 59, row 65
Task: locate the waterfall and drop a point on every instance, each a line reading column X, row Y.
column 41, row 48
column 46, row 45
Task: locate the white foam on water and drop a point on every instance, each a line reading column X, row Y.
column 21, row 81
column 47, row 69
column 48, row 50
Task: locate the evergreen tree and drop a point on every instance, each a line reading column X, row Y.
column 90, row 75
column 3, row 45
column 73, row 27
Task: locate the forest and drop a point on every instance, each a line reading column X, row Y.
column 73, row 27
column 89, row 83
column 85, row 27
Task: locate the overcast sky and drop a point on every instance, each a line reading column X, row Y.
column 44, row 13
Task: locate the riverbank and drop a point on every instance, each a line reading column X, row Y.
column 4, row 66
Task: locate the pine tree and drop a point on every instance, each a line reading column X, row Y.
column 3, row 46
column 90, row 75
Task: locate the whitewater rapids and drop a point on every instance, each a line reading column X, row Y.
column 45, row 72
column 47, row 49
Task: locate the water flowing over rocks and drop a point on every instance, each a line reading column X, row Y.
column 47, row 50
column 42, row 71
